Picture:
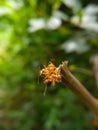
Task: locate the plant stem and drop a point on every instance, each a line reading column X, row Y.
column 71, row 82
column 84, row 71
column 96, row 69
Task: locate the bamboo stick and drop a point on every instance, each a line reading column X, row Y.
column 72, row 83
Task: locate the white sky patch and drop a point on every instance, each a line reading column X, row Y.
column 91, row 9
column 15, row 4
column 61, row 15
column 78, row 45
column 36, row 24
column 39, row 23
column 4, row 10
column 69, row 46
column 75, row 4
column 53, row 23
column 89, row 18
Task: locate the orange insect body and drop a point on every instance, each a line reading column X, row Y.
column 51, row 74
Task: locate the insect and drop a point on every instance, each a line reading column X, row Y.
column 51, row 74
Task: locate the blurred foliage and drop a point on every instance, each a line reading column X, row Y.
column 33, row 32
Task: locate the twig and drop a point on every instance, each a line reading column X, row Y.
column 96, row 69
column 71, row 82
column 84, row 71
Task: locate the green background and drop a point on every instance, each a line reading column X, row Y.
column 32, row 33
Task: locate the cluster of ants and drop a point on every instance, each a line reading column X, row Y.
column 51, row 74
